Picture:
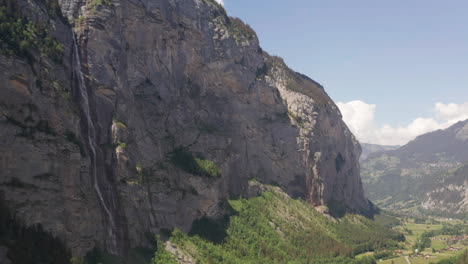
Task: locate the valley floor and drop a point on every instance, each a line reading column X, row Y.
column 442, row 246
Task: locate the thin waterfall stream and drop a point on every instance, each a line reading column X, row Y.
column 84, row 103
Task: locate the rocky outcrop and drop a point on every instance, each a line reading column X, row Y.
column 450, row 195
column 157, row 113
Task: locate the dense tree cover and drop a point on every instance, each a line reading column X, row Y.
column 369, row 235
column 384, row 254
column 274, row 228
column 447, row 229
column 452, row 230
column 29, row 244
column 23, row 37
column 462, row 259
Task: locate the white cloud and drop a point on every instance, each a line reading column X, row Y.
column 220, row 2
column 452, row 113
column 360, row 118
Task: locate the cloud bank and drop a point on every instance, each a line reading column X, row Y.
column 220, row 2
column 360, row 118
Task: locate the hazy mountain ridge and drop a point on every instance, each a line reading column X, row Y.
column 421, row 170
column 368, row 149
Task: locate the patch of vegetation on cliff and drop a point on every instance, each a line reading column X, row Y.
column 302, row 84
column 64, row 92
column 185, row 160
column 29, row 244
column 119, row 124
column 22, row 37
column 121, row 145
column 296, row 82
column 240, row 29
column 274, row 228
column 97, row 3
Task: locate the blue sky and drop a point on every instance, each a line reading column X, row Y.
column 397, row 57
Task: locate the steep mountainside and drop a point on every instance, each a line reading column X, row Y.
column 121, row 119
column 368, row 149
column 428, row 167
column 450, row 194
column 448, row 145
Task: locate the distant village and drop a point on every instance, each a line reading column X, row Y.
column 449, row 240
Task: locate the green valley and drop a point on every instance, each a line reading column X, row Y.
column 447, row 243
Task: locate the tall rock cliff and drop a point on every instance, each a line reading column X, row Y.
column 152, row 114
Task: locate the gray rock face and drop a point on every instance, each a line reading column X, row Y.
column 157, row 84
column 450, row 195
column 3, row 256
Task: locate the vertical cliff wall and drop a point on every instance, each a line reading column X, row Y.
column 156, row 112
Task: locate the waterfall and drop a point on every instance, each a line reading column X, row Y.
column 84, row 103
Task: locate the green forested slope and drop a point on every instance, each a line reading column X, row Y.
column 273, row 228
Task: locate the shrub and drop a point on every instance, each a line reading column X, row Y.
column 383, row 254
column 208, row 167
column 422, row 243
column 120, row 124
column 97, row 3
column 184, row 159
column 162, row 256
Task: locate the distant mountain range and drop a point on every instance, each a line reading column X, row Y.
column 368, row 149
column 427, row 175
